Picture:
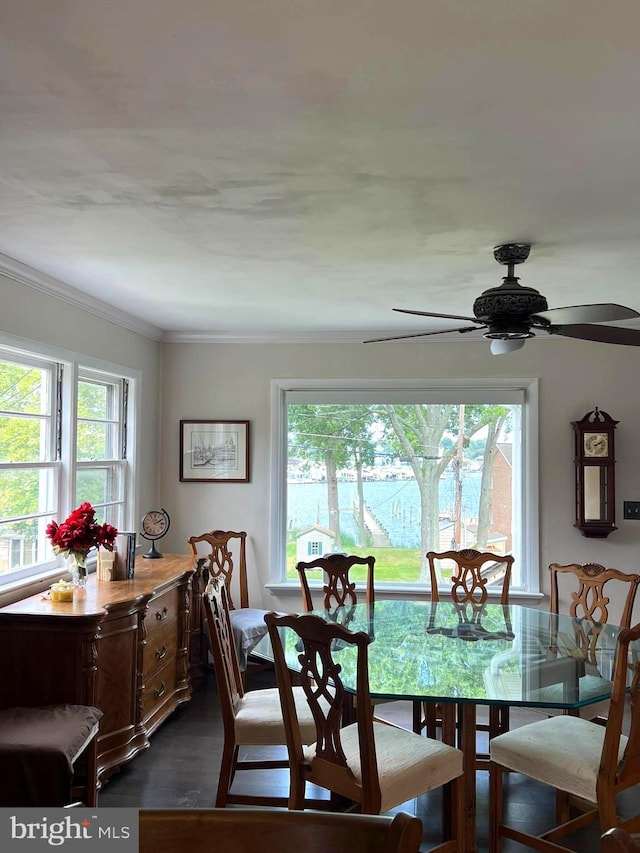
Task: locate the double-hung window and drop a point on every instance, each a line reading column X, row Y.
column 101, row 464
column 63, row 441
column 399, row 470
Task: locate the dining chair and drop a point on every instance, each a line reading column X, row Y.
column 587, row 764
column 48, row 755
column 227, row 559
column 618, row 841
column 374, row 764
column 250, row 718
column 339, row 595
column 589, row 608
column 471, row 572
column 338, row 588
column 257, row 830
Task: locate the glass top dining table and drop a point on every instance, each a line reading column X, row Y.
column 462, row 656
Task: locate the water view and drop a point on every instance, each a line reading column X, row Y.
column 395, row 505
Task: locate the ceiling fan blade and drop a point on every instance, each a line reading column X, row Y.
column 431, row 314
column 424, row 334
column 605, row 312
column 604, row 334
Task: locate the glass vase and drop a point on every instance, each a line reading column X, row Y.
column 78, row 571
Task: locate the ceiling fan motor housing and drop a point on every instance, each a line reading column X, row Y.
column 506, row 310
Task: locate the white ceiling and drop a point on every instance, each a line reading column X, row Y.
column 252, row 167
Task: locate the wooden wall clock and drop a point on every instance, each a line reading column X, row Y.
column 594, row 461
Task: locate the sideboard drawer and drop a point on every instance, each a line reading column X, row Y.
column 163, row 612
column 158, row 688
column 159, row 649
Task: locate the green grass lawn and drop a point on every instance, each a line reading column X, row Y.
column 393, row 565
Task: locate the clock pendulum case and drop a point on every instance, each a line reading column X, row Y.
column 594, row 461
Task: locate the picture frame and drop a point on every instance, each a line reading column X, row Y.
column 214, row 451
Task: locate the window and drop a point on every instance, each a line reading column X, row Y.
column 100, row 444
column 398, row 471
column 63, row 429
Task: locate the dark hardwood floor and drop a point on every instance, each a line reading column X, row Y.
column 180, row 770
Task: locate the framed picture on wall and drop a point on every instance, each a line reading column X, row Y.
column 214, row 451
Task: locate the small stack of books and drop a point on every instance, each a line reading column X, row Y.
column 125, row 556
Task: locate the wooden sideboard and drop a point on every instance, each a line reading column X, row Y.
column 132, row 648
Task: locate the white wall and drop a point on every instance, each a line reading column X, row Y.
column 232, row 381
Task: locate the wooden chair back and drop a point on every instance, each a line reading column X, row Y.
column 589, row 604
column 215, row 601
column 589, row 600
column 226, row 559
column 616, row 775
column 618, row 841
column 320, row 679
column 338, row 589
column 256, row 830
column 469, row 580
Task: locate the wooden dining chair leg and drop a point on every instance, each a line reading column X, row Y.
column 86, row 791
column 298, row 790
column 448, row 710
column 227, row 772
column 563, row 807
column 498, row 720
column 496, row 795
column 417, row 716
column 431, row 711
column 456, row 811
column 505, row 721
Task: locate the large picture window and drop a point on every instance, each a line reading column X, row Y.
column 401, row 471
column 63, row 429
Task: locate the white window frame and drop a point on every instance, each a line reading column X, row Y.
column 117, row 462
column 74, row 365
column 521, row 391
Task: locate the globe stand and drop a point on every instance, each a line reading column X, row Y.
column 152, row 553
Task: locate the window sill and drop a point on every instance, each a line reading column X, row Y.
column 25, row 587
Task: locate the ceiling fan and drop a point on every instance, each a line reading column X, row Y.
column 511, row 313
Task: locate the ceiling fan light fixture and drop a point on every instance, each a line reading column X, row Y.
column 500, row 346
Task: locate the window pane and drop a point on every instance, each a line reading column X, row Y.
column 23, row 544
column 396, row 481
column 23, row 439
column 96, row 441
column 24, row 389
column 27, row 491
column 98, row 485
column 93, row 400
column 101, row 486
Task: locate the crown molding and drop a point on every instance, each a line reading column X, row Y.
column 301, row 337
column 23, row 274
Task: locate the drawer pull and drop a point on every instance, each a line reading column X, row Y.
column 159, row 691
column 162, row 614
column 161, row 653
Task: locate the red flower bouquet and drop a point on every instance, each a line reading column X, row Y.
column 76, row 536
